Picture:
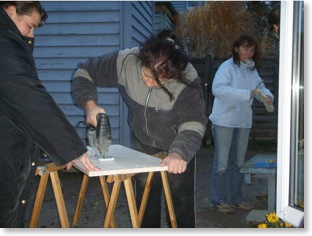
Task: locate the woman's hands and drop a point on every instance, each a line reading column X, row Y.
column 92, row 109
column 269, row 100
column 85, row 161
column 175, row 163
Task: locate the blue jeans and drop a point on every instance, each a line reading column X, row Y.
column 229, row 155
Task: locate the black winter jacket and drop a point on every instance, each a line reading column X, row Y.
column 25, row 102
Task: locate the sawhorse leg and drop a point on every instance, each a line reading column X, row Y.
column 167, row 195
column 145, row 196
column 111, row 201
column 169, row 199
column 82, row 194
column 132, row 203
column 39, row 199
column 117, row 179
column 81, row 197
column 45, row 171
column 112, row 204
column 59, row 199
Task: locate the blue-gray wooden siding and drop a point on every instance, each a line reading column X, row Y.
column 77, row 30
column 179, row 5
column 162, row 21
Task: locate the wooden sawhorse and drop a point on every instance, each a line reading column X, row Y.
column 110, row 201
column 49, row 169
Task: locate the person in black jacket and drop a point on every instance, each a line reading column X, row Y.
column 30, row 120
column 167, row 116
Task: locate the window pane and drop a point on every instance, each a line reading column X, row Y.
column 297, row 134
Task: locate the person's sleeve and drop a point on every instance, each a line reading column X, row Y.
column 26, row 103
column 223, row 89
column 96, row 72
column 192, row 122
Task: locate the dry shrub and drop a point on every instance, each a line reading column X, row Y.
column 212, row 29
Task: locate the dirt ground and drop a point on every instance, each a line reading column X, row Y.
column 93, row 211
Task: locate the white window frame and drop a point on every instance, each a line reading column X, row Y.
column 283, row 209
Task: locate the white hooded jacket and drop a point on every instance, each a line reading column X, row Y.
column 231, row 87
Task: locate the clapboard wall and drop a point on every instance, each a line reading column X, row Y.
column 77, row 30
column 180, row 6
column 162, row 21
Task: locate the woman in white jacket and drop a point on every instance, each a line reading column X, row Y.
column 235, row 85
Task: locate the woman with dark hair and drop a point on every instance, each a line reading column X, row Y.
column 270, row 41
column 166, row 115
column 274, row 20
column 30, row 120
column 235, row 86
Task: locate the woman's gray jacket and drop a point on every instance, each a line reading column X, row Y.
column 174, row 126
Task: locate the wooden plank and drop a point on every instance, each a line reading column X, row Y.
column 80, row 5
column 62, row 53
column 83, row 16
column 47, row 168
column 84, row 29
column 126, row 161
column 75, row 40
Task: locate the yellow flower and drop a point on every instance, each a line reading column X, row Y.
column 263, row 225
column 272, row 217
column 272, row 221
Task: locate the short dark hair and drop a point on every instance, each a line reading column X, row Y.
column 26, row 8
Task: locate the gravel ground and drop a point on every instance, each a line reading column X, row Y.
column 93, row 211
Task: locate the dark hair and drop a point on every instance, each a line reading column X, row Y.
column 274, row 16
column 165, row 59
column 26, row 8
column 169, row 34
column 247, row 41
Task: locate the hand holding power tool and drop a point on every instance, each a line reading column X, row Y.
column 100, row 137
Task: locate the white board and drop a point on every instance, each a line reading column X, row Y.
column 126, row 161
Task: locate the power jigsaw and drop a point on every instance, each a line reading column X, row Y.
column 100, row 137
